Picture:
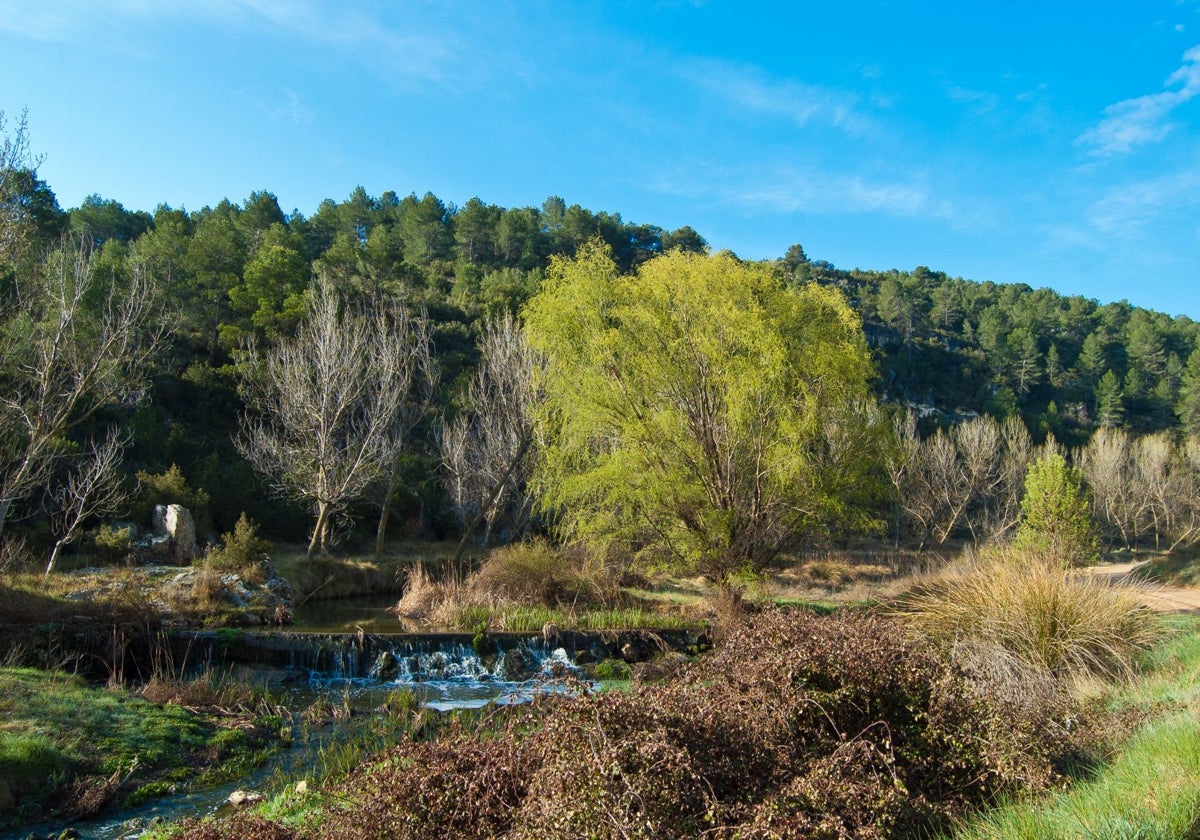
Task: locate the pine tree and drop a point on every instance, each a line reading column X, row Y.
column 1056, row 518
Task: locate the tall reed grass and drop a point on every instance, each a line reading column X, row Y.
column 1064, row 622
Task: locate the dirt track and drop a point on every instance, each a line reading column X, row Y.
column 1161, row 597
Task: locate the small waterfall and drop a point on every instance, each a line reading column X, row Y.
column 447, row 673
column 445, row 670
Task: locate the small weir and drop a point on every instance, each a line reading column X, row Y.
column 445, row 670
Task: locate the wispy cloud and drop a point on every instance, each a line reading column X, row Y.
column 979, row 101
column 790, row 189
column 401, row 48
column 289, row 108
column 1126, row 210
column 1144, row 119
column 750, row 89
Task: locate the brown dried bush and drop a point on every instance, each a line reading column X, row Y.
column 241, row 826
column 461, row 785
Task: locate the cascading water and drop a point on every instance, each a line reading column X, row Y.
column 447, row 676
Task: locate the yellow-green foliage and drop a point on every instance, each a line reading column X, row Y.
column 690, row 407
column 1064, row 622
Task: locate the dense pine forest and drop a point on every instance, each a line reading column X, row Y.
column 237, row 276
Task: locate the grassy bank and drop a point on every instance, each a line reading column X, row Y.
column 1150, row 787
column 68, row 749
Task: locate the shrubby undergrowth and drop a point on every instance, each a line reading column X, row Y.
column 798, row 727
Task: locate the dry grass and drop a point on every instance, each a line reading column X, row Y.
column 361, row 574
column 26, row 599
column 427, row 595
column 523, row 575
column 536, row 573
column 1069, row 625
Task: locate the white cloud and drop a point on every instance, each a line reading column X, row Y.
column 1126, row 210
column 980, row 102
column 1144, row 119
column 803, row 104
column 788, row 189
column 289, row 108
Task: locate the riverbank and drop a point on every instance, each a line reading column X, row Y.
column 72, row 750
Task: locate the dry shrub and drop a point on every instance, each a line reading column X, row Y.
column 829, row 572
column 852, row 794
column 460, row 786
column 536, row 573
column 206, row 590
column 209, row 690
column 522, row 574
column 240, row 826
column 16, row 555
column 619, row 769
column 1068, row 624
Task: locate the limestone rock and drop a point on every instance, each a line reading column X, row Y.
column 176, row 524
column 244, row 797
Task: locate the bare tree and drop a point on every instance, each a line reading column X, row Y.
column 1184, row 495
column 1120, row 498
column 486, row 452
column 322, row 406
column 65, row 358
column 416, row 378
column 902, row 460
column 998, row 509
column 92, row 488
column 968, row 477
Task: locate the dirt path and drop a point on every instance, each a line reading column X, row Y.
column 1162, row 597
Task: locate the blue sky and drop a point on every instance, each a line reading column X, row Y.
column 1055, row 144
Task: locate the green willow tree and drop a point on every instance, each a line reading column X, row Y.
column 692, row 409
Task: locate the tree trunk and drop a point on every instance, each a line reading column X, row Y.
column 487, row 506
column 319, row 530
column 381, row 531
column 385, row 507
column 4, row 506
column 53, row 559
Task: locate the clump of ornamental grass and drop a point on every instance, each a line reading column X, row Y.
column 1023, row 603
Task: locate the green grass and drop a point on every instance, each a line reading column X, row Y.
column 55, row 729
column 1150, row 789
column 1177, row 569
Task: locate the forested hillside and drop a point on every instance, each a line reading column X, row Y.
column 237, row 275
